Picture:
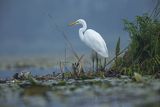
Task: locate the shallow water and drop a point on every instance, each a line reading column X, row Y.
column 109, row 92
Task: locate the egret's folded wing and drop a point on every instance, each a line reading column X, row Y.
column 94, row 40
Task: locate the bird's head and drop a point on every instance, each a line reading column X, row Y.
column 79, row 21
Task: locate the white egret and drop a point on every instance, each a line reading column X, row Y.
column 92, row 38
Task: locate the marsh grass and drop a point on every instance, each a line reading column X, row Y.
column 143, row 54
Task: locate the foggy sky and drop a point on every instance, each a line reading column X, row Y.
column 26, row 29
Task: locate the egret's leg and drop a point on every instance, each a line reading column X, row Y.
column 105, row 62
column 97, row 63
column 93, row 59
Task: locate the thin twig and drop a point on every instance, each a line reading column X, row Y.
column 156, row 11
column 61, row 69
column 65, row 37
column 71, row 47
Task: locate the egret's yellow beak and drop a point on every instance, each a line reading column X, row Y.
column 73, row 23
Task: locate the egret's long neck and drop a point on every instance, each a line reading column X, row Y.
column 82, row 30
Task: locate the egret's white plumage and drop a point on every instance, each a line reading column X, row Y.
column 92, row 38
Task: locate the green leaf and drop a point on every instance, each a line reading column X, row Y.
column 118, row 47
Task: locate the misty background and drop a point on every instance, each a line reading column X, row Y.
column 26, row 30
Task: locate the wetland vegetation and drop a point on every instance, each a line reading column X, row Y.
column 130, row 79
